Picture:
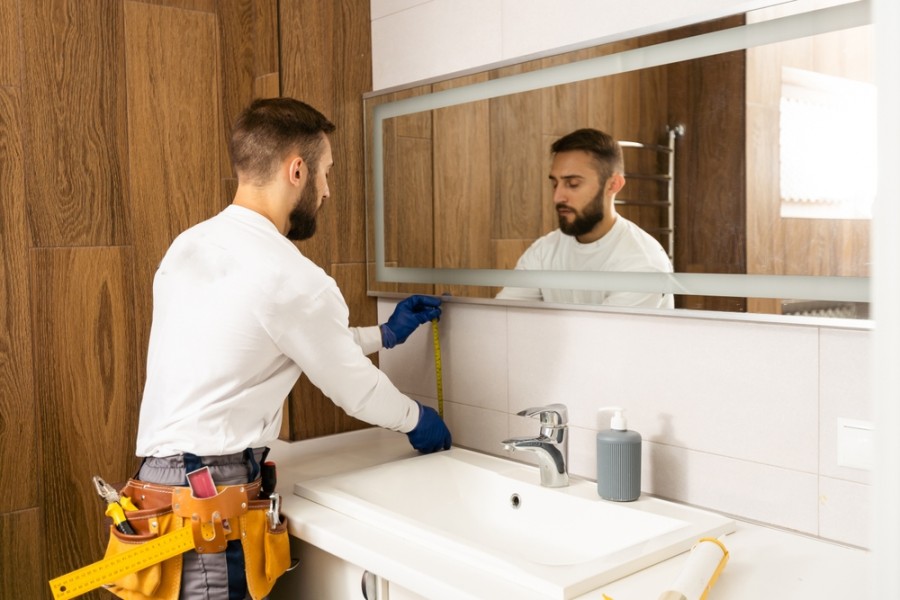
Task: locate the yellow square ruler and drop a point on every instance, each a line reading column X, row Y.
column 94, row 575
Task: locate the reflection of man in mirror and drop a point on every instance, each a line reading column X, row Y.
column 586, row 174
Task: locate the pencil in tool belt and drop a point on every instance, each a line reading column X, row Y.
column 115, row 506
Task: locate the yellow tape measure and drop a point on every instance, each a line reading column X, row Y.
column 437, row 367
column 85, row 579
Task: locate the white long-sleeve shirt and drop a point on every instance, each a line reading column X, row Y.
column 238, row 314
column 625, row 247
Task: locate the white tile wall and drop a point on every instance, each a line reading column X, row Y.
column 413, row 40
column 736, row 416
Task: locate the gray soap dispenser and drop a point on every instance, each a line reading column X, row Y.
column 618, row 460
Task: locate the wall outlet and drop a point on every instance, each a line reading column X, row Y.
column 855, row 444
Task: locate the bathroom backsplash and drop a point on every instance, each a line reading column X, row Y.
column 737, row 416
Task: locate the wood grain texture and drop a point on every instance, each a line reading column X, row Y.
column 17, row 409
column 409, row 225
column 265, row 46
column 708, row 97
column 10, row 40
column 175, row 135
column 462, row 185
column 201, row 5
column 308, row 37
column 351, row 279
column 516, row 164
column 74, row 108
column 407, row 180
column 790, row 246
column 307, row 45
column 237, row 33
column 21, row 551
column 82, row 312
column 352, row 61
column 267, row 86
column 325, row 61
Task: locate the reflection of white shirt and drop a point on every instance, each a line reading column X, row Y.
column 238, row 313
column 625, row 247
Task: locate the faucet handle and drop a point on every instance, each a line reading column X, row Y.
column 553, row 415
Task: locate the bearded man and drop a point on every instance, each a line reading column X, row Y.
column 587, row 172
column 238, row 314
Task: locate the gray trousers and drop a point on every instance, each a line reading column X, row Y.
column 217, row 576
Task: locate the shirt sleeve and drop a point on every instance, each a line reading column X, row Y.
column 312, row 330
column 368, row 338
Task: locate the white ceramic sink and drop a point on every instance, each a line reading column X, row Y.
column 492, row 513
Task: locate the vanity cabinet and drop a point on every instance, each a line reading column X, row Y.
column 323, row 575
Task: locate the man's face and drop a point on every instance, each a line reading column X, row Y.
column 313, row 194
column 577, row 192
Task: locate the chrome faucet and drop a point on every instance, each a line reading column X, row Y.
column 551, row 446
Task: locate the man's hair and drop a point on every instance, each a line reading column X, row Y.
column 268, row 129
column 598, row 144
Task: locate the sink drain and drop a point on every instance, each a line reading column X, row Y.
column 515, row 501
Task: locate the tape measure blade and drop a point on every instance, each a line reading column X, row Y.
column 94, row 575
column 439, row 379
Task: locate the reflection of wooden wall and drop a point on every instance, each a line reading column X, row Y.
column 707, row 96
column 113, row 120
column 778, row 246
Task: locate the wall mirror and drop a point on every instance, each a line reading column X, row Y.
column 745, row 132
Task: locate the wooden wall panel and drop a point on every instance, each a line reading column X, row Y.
column 237, row 33
column 352, row 62
column 325, row 61
column 794, row 246
column 21, row 551
column 83, row 318
column 265, row 48
column 75, row 115
column 351, row 279
column 70, row 327
column 202, row 5
column 308, row 43
column 9, row 42
column 17, row 411
column 248, row 32
column 175, row 135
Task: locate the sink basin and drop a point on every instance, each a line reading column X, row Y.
column 492, row 513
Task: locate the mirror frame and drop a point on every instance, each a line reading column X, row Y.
column 834, row 288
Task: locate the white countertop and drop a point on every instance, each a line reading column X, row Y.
column 764, row 562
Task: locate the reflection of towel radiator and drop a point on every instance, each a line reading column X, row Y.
column 667, row 176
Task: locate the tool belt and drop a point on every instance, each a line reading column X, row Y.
column 235, row 513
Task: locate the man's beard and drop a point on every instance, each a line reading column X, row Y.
column 303, row 217
column 584, row 222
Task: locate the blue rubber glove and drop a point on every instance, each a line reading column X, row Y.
column 431, row 433
column 408, row 315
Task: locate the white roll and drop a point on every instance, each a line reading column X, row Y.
column 700, row 571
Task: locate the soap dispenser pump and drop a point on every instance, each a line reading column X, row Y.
column 618, row 459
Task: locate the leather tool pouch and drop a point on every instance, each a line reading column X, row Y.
column 229, row 515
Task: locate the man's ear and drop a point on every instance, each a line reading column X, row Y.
column 297, row 171
column 615, row 183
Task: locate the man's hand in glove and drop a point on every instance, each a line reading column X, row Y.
column 408, row 315
column 430, row 434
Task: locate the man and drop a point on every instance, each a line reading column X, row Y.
column 239, row 313
column 586, row 173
